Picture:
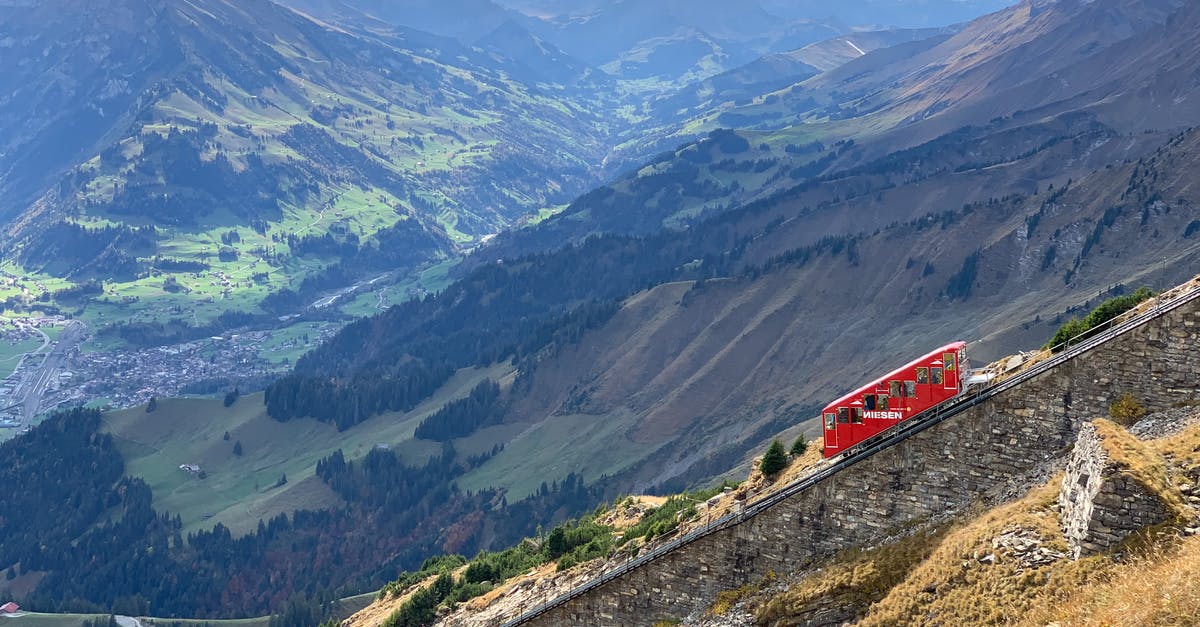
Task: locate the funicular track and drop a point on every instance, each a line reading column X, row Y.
column 887, row 439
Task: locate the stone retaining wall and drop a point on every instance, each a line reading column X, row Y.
column 990, row 454
column 1101, row 503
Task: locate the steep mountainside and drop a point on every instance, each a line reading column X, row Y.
column 1002, row 72
column 1001, row 227
column 896, row 13
column 782, row 69
column 244, row 145
column 693, row 373
column 1002, row 62
column 684, row 375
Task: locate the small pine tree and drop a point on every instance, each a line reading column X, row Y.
column 799, row 446
column 774, row 460
column 152, row 405
column 226, row 436
column 237, row 448
column 282, row 480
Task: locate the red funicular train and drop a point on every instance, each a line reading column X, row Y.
column 894, row 397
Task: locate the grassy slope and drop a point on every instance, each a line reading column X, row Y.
column 432, row 279
column 288, row 344
column 439, row 141
column 238, row 491
column 11, row 353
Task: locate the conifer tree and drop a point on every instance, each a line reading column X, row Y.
column 799, row 446
column 774, row 460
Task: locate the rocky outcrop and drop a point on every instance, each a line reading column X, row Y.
column 1103, row 501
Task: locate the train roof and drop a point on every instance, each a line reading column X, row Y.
column 895, row 374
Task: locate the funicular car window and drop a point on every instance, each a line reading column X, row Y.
column 843, row 415
column 936, row 374
column 910, row 389
column 829, row 422
column 882, row 404
column 922, row 375
column 869, row 402
column 856, row 415
column 894, row 388
column 948, row 361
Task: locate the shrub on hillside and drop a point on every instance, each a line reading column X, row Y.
column 800, row 445
column 1126, row 410
column 1078, row 329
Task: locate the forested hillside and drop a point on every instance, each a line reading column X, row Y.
column 87, row 539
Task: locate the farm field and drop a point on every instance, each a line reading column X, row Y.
column 430, row 280
column 11, row 353
column 288, row 344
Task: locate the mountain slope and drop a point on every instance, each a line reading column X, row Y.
column 1002, row 71
column 260, row 147
column 776, row 71
column 684, row 376
column 999, row 61
column 677, row 366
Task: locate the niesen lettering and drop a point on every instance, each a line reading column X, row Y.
column 888, row 415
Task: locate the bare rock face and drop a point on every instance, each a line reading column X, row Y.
column 1101, row 501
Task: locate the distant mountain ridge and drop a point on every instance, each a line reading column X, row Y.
column 248, row 135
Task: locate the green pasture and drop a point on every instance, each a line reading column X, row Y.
column 288, row 344
column 12, row 352
column 540, row 453
column 431, row 280
column 240, row 490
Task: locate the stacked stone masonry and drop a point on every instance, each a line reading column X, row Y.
column 987, row 454
column 1101, row 504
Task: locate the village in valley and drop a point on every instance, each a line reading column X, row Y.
column 46, row 363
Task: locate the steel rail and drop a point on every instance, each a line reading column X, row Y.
column 899, row 433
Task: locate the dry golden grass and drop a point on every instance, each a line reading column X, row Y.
column 506, row 588
column 939, row 578
column 954, row 587
column 854, row 581
column 629, row 511
column 380, row 609
column 1146, row 465
column 1183, row 449
column 1160, row 588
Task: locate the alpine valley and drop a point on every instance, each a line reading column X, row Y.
column 299, row 296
